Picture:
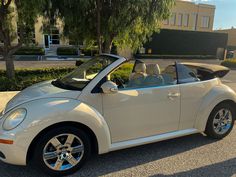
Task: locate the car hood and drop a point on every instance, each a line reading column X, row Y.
column 39, row 91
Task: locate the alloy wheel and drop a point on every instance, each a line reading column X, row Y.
column 222, row 121
column 63, row 152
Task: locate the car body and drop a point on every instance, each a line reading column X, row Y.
column 115, row 117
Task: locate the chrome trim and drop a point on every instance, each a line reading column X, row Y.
column 149, row 88
column 151, row 139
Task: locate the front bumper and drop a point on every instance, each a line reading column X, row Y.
column 12, row 149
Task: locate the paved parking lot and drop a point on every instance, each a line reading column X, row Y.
column 193, row 156
column 190, row 156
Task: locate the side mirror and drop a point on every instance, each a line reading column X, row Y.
column 109, row 87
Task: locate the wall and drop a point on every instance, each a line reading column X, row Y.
column 177, row 42
column 39, row 34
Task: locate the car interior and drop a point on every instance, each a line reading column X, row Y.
column 146, row 75
column 142, row 74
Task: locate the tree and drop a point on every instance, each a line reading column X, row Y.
column 17, row 19
column 119, row 22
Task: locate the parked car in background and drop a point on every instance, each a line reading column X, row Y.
column 56, row 125
column 230, row 54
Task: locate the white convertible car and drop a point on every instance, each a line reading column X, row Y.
column 56, row 125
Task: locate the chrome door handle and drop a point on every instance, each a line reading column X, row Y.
column 173, row 95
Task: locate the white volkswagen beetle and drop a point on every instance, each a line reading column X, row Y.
column 56, row 125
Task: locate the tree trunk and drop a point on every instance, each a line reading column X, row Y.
column 107, row 45
column 99, row 26
column 10, row 68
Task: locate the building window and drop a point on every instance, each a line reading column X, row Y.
column 205, row 22
column 55, row 36
column 186, row 20
column 166, row 22
column 173, row 19
column 180, row 19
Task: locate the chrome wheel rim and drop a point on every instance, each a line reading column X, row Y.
column 222, row 121
column 63, row 152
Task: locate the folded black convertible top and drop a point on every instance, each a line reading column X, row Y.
column 216, row 70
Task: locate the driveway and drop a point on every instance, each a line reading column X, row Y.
column 193, row 156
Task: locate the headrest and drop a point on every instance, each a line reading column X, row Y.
column 140, row 68
column 153, row 69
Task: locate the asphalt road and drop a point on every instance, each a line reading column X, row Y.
column 49, row 64
column 190, row 156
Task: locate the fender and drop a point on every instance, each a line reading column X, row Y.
column 59, row 110
column 218, row 94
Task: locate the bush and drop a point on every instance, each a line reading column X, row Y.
column 123, row 72
column 30, row 51
column 89, row 52
column 67, row 51
column 229, row 63
column 27, row 77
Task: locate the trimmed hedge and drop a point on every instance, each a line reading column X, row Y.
column 27, row 77
column 229, row 63
column 30, row 51
column 89, row 52
column 67, row 51
column 123, row 72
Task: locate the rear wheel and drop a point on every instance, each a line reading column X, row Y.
column 221, row 121
column 62, row 151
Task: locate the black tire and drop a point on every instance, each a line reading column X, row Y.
column 38, row 160
column 210, row 131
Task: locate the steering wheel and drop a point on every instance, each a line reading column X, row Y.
column 119, row 82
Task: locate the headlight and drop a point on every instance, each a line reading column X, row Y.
column 14, row 119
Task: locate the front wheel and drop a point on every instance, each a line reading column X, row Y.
column 62, row 151
column 221, row 121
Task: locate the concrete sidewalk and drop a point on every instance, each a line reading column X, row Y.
column 5, row 97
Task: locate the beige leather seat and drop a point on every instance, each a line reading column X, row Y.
column 154, row 77
column 138, row 76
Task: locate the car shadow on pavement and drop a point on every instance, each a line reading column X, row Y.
column 225, row 169
column 121, row 160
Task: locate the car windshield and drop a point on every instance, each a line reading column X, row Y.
column 86, row 72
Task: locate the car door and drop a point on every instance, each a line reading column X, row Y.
column 192, row 92
column 144, row 111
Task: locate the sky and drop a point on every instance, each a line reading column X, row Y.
column 225, row 15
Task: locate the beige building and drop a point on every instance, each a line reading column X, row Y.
column 191, row 16
column 231, row 36
column 52, row 38
column 231, row 45
column 185, row 16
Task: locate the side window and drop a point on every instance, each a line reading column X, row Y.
column 186, row 74
column 121, row 75
column 142, row 75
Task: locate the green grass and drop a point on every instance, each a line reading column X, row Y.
column 231, row 63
